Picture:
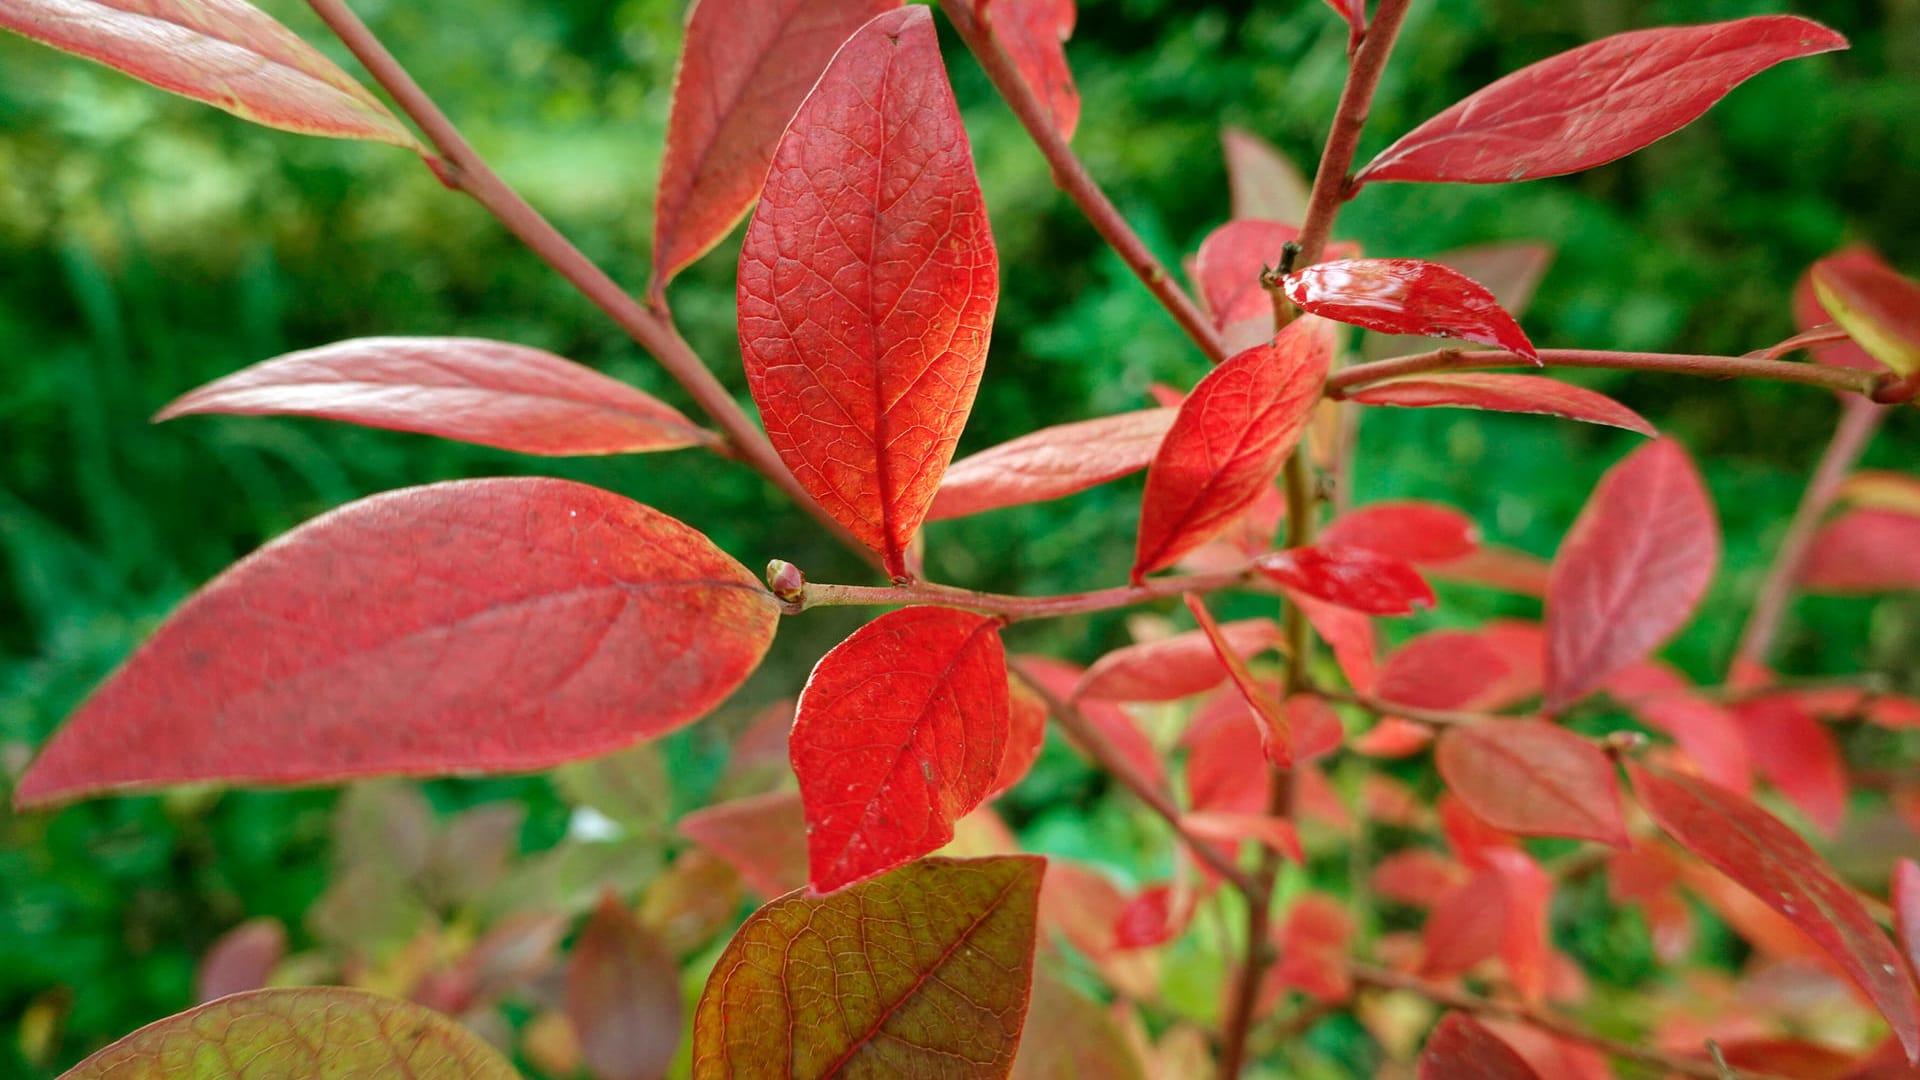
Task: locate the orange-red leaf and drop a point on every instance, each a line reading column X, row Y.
column 475, row 626
column 1313, row 942
column 1865, row 551
column 1176, row 667
column 1416, row 532
column 922, row 972
column 763, row 837
column 477, row 391
column 623, row 996
column 1051, row 463
column 1228, row 442
column 1110, row 721
column 900, row 733
column 1026, row 735
column 1630, row 571
column 1407, row 296
column 1768, row 860
column 1797, row 754
column 1440, row 669
column 1034, row 33
column 1502, row 392
column 1533, row 778
column 1461, row 1049
column 1276, row 734
column 1349, row 576
column 226, row 53
column 1511, row 271
column 867, row 284
column 1348, row 633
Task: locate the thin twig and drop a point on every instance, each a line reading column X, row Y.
column 809, row 595
column 1331, row 181
column 1844, row 380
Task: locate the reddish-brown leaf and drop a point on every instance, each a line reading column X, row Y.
column 1034, row 32
column 1809, row 313
column 241, row 959
column 1350, row 576
column 1796, row 753
column 1440, row 669
column 923, row 972
column 623, row 996
column 900, row 733
column 763, row 837
column 1630, row 571
column 226, row 53
column 1865, row 551
column 867, row 285
column 1877, row 306
column 1026, row 734
column 1264, row 184
column 1313, row 941
column 1596, row 103
column 1533, row 778
column 1772, row 863
column 471, row 389
column 1176, row 667
column 1051, row 463
column 1407, row 296
column 1502, row 392
column 1461, row 1049
column 745, row 68
column 1276, row 733
column 1415, row 532
column 1228, row 442
column 475, row 626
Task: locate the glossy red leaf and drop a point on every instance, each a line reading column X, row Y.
column 1796, row 753
column 1630, row 571
column 1033, row 33
column 487, row 392
column 745, row 68
column 922, row 972
column 1809, row 312
column 762, row 837
column 1051, row 463
column 1865, row 551
column 1501, row 392
column 475, row 626
column 1314, row 940
column 1348, row 633
column 1232, row 435
column 1406, row 296
column 1175, row 667
column 1510, row 271
column 1772, row 863
column 1877, row 306
column 1441, row 669
column 226, row 53
column 1110, row 721
column 241, row 959
column 1906, row 908
column 900, row 733
column 1597, row 103
column 867, row 285
column 1264, row 183
column 623, row 996
column 1276, row 733
column 1533, row 778
column 1462, row 1049
column 1351, row 577
column 1415, row 532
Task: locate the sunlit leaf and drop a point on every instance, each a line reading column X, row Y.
column 1050, row 463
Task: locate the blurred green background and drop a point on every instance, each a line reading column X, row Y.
column 148, row 244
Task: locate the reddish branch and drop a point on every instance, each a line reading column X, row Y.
column 462, row 168
column 1332, row 181
column 802, row 595
column 1843, row 380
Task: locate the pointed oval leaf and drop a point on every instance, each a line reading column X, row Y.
column 1511, row 271
column 1034, row 33
column 1407, row 296
column 868, row 283
column 1176, row 667
column 1348, row 633
column 226, row 53
column 1533, row 778
column 487, row 392
column 1771, row 862
column 1597, row 103
column 623, row 996
column 1051, row 463
column 1630, row 571
column 241, row 959
column 1865, row 551
column 1276, row 732
column 475, row 626
column 900, row 733
column 1414, row 532
column 924, row 972
column 1228, row 265
column 1798, row 755
column 763, row 837
column 1441, row 669
column 745, row 68
column 1878, row 307
column 1232, row 435
column 1110, row 721
column 1502, row 568
column 1809, row 313
column 1263, row 182
column 273, row 1034
column 1504, row 392
column 1026, row 736
column 1350, row 576
column 1461, row 1048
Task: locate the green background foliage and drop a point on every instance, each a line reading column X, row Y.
column 148, row 244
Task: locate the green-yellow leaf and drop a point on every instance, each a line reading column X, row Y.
column 1877, row 307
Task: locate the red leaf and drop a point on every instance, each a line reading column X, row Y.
column 1026, row 734
column 1809, row 312
column 1414, row 532
column 1393, row 737
column 1865, row 551
column 1524, row 948
column 1314, row 941
column 1704, row 731
column 1276, row 733
column 745, row 68
column 477, row 391
column 623, row 996
column 923, row 972
column 1355, row 14
column 1466, row 927
column 1173, row 668
column 474, row 626
column 1226, row 766
column 1469, row 836
column 226, row 53
column 1264, row 183
column 1351, row 577
column 1461, row 1049
column 763, row 837
column 1227, row 444
column 1796, row 753
column 1441, row 669
column 1081, row 905
column 1523, row 646
column 1549, row 1055
column 1417, row 877
column 1150, row 919
column 1630, row 571
column 1533, row 778
column 1407, row 296
column 867, row 285
column 1501, row 392
column 1498, row 568
column 1906, row 908
column 241, row 959
column 900, row 733
column 1776, row 866
column 1878, row 307
column 1597, row 103
column 1051, row 463
column 1277, row 834
column 1227, row 269
column 1063, row 680
column 1348, row 633
column 1510, row 271
column 1033, row 33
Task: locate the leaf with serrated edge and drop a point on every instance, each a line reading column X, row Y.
column 486, row 392
column 1051, row 463
column 1502, row 392
column 922, row 974
column 867, row 285
column 497, row 625
column 1533, row 778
